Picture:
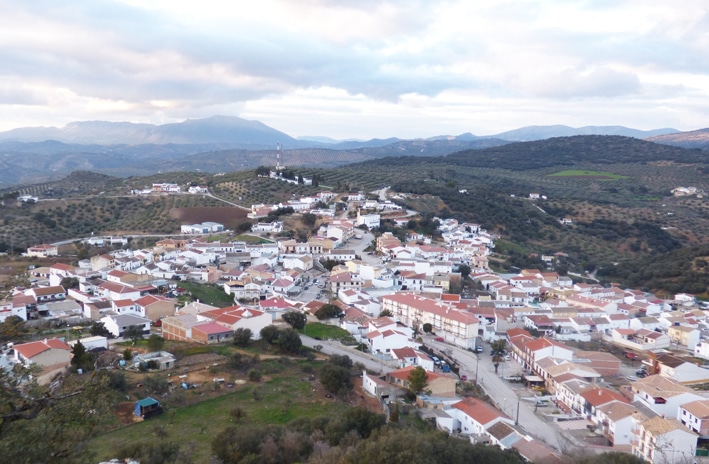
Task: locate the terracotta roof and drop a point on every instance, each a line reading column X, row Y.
column 599, row 396
column 659, row 426
column 699, row 408
column 616, row 411
column 479, row 411
column 403, row 374
column 32, row 349
column 40, row 291
column 406, row 352
column 659, row 386
column 211, row 328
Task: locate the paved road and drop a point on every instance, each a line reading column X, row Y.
column 372, row 363
column 500, row 391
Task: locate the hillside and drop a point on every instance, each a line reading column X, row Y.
column 615, row 191
column 693, row 139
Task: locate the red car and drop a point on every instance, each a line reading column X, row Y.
column 439, row 339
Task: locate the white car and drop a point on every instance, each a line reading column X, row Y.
column 632, row 378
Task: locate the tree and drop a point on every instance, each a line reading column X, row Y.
column 134, row 332
column 309, row 219
column 98, row 329
column 289, row 341
column 69, row 282
column 242, row 336
column 418, row 379
column 12, row 329
column 336, row 379
column 270, row 333
column 295, row 319
column 262, row 171
column 427, row 328
column 80, row 359
column 341, row 360
column 54, row 423
column 498, row 346
column 244, row 226
column 155, row 343
column 386, row 313
column 464, row 270
column 327, row 311
column 127, row 354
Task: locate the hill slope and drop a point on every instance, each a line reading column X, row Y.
column 693, row 139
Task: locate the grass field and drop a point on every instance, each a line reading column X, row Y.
column 599, row 175
column 326, row 332
column 278, row 401
column 210, row 294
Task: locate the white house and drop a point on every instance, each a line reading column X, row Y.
column 475, row 417
column 118, row 324
column 662, row 395
column 662, row 440
column 387, row 340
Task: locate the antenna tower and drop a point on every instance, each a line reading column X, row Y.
column 278, row 157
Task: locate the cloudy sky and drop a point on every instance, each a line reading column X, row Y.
column 358, row 68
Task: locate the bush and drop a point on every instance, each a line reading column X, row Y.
column 254, row 375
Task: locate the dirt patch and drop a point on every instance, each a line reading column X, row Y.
column 124, row 413
column 231, row 217
column 362, row 399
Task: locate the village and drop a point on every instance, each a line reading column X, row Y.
column 564, row 363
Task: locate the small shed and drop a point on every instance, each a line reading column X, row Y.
column 147, row 407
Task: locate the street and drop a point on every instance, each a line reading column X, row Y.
column 372, row 363
column 500, row 391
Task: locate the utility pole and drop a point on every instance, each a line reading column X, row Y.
column 517, row 418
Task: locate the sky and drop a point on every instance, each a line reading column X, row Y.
column 358, row 68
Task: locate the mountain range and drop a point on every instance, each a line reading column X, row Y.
column 225, row 143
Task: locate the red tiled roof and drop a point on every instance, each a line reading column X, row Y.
column 600, row 396
column 479, row 411
column 211, row 328
column 32, row 349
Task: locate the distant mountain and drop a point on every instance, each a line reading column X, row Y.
column 215, row 130
column 530, row 133
column 692, row 139
column 317, row 139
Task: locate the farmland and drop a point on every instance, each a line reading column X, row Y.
column 577, row 173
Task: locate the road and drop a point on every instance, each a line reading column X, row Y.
column 372, row 363
column 500, row 391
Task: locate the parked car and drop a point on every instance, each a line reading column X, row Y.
column 479, row 349
column 439, row 339
column 463, row 378
column 630, row 355
column 632, row 378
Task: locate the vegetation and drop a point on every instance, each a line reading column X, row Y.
column 287, row 340
column 417, row 379
column 322, row 331
column 327, row 311
column 295, row 319
column 242, row 337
